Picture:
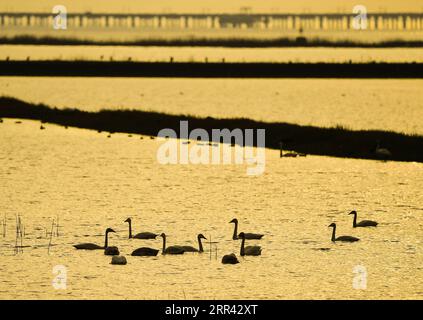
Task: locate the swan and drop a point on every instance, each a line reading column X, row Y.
column 248, row 236
column 118, row 260
column 382, row 152
column 230, row 259
column 200, row 245
column 363, row 223
column 143, row 252
column 142, row 235
column 92, row 246
column 249, row 250
column 171, row 249
column 341, row 238
column 111, row 251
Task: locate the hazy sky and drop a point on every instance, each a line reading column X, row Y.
column 212, row 5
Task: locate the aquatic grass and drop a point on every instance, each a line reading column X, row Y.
column 337, row 141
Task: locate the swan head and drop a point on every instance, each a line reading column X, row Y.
column 241, row 235
column 333, row 225
column 110, row 230
column 234, row 221
column 163, row 235
column 128, row 220
column 200, row 236
column 353, row 212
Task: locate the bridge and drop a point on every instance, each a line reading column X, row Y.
column 171, row 21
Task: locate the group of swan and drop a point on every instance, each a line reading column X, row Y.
column 143, row 251
column 245, row 250
column 175, row 249
column 363, row 223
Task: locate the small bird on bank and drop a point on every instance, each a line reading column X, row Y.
column 382, row 153
column 363, row 223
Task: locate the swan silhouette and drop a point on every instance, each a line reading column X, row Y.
column 200, row 245
column 341, row 238
column 248, row 236
column 92, row 246
column 382, row 152
column 289, row 154
column 363, row 223
column 171, row 249
column 145, row 252
column 141, row 235
column 230, row 259
column 249, row 250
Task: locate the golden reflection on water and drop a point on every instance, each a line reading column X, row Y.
column 91, row 182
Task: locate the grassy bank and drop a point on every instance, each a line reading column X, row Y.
column 210, row 69
column 335, row 142
column 299, row 41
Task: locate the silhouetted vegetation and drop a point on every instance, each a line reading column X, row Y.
column 300, row 41
column 336, row 142
column 210, row 69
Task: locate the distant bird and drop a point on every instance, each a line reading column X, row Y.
column 92, row 246
column 42, row 127
column 141, row 235
column 200, row 245
column 171, row 249
column 363, row 223
column 230, row 259
column 1, row 120
column 120, row 260
column 145, row 252
column 289, row 154
column 249, row 250
column 248, row 236
column 341, row 238
column 382, row 152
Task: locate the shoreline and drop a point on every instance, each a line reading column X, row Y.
column 280, row 42
column 333, row 142
column 82, row 68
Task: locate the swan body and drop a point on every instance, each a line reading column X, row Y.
column 171, row 249
column 111, row 251
column 120, row 260
column 249, row 250
column 363, row 223
column 92, row 246
column 230, row 259
column 141, row 235
column 341, row 238
column 200, row 245
column 145, row 252
column 248, row 236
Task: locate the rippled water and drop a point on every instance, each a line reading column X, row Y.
column 91, row 182
column 383, row 104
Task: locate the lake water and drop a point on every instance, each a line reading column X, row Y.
column 90, row 182
column 381, row 104
column 212, row 54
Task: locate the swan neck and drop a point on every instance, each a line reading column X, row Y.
column 200, row 245
column 242, row 246
column 106, row 240
column 235, row 236
column 355, row 220
column 164, row 245
column 130, row 229
column 333, row 233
